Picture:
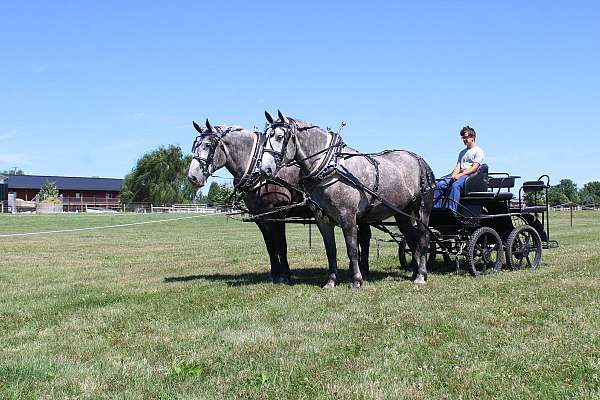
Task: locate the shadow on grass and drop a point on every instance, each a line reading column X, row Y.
column 303, row 276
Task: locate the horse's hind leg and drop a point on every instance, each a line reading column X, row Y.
column 364, row 240
column 269, row 236
column 329, row 241
column 417, row 239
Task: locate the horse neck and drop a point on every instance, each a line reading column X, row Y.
column 310, row 142
column 239, row 145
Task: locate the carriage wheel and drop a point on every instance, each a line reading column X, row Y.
column 484, row 251
column 405, row 262
column 523, row 248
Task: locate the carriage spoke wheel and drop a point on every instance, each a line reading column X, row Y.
column 523, row 248
column 405, row 262
column 484, row 251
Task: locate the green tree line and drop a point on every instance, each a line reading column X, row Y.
column 160, row 177
column 567, row 192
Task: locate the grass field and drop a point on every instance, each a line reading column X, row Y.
column 183, row 309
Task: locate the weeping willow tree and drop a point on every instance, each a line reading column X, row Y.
column 159, row 177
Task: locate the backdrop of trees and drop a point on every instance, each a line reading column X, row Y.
column 159, row 177
column 567, row 192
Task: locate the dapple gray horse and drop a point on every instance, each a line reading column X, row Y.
column 399, row 178
column 233, row 148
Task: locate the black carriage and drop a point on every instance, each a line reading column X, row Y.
column 491, row 227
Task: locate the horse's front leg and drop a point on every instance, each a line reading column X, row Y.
column 329, row 241
column 350, row 234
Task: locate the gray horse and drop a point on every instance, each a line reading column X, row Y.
column 234, row 148
column 354, row 189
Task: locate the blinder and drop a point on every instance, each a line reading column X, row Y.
column 206, row 163
column 289, row 133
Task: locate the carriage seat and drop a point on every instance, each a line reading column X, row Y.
column 494, row 195
column 476, row 182
column 481, row 185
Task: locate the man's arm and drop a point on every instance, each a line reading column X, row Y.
column 455, row 171
column 468, row 171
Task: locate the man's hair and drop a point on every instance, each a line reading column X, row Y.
column 469, row 131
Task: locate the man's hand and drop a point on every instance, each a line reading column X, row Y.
column 456, row 175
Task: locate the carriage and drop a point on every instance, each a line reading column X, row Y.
column 357, row 191
column 491, row 227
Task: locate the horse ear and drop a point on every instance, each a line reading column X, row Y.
column 197, row 127
column 282, row 117
column 269, row 118
column 209, row 126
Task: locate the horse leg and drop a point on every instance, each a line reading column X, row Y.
column 417, row 244
column 281, row 249
column 329, row 241
column 364, row 241
column 270, row 242
column 350, row 230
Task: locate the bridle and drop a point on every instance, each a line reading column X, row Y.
column 289, row 133
column 206, row 164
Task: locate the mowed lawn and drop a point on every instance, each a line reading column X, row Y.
column 184, row 309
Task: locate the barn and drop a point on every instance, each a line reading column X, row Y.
column 75, row 191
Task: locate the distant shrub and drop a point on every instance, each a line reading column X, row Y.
column 49, row 193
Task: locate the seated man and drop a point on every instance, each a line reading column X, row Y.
column 469, row 161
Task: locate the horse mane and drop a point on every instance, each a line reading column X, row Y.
column 303, row 124
column 228, row 128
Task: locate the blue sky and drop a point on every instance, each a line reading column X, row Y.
column 88, row 87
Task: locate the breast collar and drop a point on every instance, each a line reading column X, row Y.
column 328, row 162
column 251, row 178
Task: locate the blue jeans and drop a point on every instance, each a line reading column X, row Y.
column 451, row 202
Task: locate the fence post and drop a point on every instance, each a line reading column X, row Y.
column 571, row 215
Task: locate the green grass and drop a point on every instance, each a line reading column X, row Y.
column 184, row 309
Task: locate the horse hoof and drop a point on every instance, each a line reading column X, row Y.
column 420, row 279
column 356, row 285
column 329, row 285
column 287, row 280
column 279, row 280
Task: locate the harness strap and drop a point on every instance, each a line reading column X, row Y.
column 251, row 176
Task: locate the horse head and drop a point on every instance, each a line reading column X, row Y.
column 208, row 154
column 278, row 135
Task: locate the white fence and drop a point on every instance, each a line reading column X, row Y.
column 575, row 207
column 185, row 208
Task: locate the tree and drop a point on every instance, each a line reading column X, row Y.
column 13, row 171
column 49, row 193
column 569, row 188
column 590, row 193
column 556, row 197
column 159, row 177
column 218, row 194
column 564, row 192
